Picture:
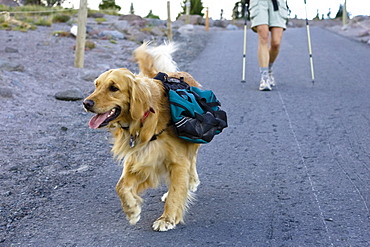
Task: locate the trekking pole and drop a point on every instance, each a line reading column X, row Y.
column 309, row 45
column 245, row 41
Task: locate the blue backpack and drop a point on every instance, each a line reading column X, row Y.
column 196, row 113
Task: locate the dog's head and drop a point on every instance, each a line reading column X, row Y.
column 119, row 97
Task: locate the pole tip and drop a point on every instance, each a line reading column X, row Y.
column 243, row 81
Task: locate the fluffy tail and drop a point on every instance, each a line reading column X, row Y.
column 152, row 60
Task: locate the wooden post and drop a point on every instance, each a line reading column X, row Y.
column 207, row 20
column 344, row 13
column 169, row 23
column 81, row 35
column 187, row 12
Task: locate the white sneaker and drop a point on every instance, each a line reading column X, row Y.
column 272, row 80
column 265, row 85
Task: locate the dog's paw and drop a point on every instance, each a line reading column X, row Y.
column 162, row 224
column 133, row 219
column 164, row 197
column 194, row 183
column 132, row 213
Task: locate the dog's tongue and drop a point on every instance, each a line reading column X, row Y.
column 97, row 120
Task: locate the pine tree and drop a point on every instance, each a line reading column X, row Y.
column 196, row 7
column 109, row 4
column 132, row 11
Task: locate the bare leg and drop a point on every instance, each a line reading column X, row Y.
column 263, row 49
column 276, row 37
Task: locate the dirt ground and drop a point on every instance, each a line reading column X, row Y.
column 42, row 139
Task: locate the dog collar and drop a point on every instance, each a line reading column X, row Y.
column 146, row 114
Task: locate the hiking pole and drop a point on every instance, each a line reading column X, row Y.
column 245, row 41
column 309, row 45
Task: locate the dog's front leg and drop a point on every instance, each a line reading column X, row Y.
column 177, row 199
column 126, row 189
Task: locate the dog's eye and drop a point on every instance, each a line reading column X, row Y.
column 113, row 88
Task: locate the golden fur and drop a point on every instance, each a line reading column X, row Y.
column 144, row 113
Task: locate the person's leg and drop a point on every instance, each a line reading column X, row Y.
column 263, row 45
column 276, row 37
column 263, row 55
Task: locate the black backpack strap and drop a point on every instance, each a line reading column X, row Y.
column 276, row 6
column 161, row 77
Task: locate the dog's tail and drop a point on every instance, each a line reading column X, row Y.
column 152, row 60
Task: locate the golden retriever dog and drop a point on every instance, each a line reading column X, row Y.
column 136, row 111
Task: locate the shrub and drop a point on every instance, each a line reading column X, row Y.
column 100, row 20
column 61, row 18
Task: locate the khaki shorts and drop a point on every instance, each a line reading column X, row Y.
column 262, row 13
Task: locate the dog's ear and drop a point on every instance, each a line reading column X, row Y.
column 140, row 99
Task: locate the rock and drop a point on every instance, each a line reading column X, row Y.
column 186, row 28
column 121, row 25
column 363, row 33
column 70, row 95
column 177, row 24
column 136, row 35
column 96, row 15
column 10, row 66
column 193, row 19
column 90, row 75
column 156, row 22
column 11, row 50
column 232, row 27
column 221, row 23
column 5, row 92
column 157, row 31
column 131, row 18
column 108, row 34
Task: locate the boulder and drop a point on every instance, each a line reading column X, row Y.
column 121, row 25
column 221, row 23
column 5, row 92
column 193, row 19
column 108, row 34
column 136, row 35
column 11, row 50
column 10, row 66
column 70, row 95
column 232, row 27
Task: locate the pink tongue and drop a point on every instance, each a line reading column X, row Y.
column 97, row 120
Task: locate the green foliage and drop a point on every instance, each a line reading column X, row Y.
column 89, row 45
column 42, row 21
column 196, row 7
column 109, row 4
column 60, row 18
column 152, row 16
column 239, row 10
column 100, row 20
column 340, row 12
column 132, row 11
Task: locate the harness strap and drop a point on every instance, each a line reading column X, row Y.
column 276, row 6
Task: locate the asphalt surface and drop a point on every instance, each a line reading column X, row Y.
column 292, row 168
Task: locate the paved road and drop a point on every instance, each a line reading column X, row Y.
column 292, row 169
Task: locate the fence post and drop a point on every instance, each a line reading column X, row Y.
column 81, row 35
column 169, row 23
column 207, row 20
column 188, row 4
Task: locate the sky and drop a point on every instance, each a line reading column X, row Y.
column 159, row 7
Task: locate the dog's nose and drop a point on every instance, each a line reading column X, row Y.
column 88, row 104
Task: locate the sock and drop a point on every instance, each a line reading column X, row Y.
column 264, row 72
column 270, row 67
